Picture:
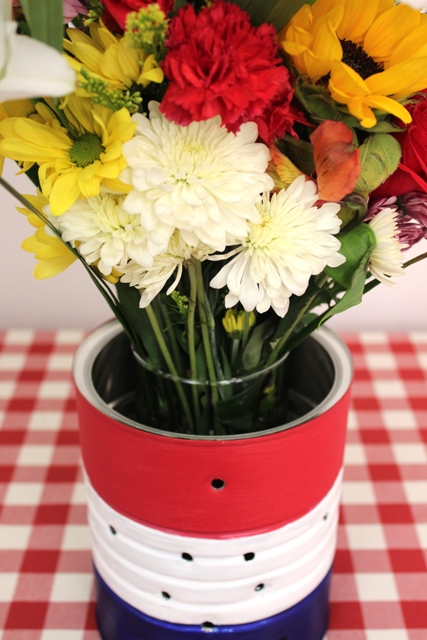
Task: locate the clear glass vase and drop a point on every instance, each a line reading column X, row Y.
column 246, row 404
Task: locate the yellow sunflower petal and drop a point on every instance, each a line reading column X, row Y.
column 389, row 106
column 413, row 45
column 345, row 83
column 389, row 29
column 400, row 80
column 357, row 18
column 360, row 110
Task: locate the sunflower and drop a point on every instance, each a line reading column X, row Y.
column 53, row 255
column 72, row 164
column 370, row 55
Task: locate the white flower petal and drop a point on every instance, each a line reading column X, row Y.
column 386, row 259
column 200, row 180
column 31, row 68
column 292, row 241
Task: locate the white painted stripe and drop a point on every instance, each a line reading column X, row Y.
column 218, row 584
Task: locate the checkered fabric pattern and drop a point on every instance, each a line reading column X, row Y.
column 379, row 588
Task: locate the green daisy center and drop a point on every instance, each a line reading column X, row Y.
column 86, row 150
column 356, row 58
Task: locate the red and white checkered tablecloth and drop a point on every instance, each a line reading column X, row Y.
column 379, row 589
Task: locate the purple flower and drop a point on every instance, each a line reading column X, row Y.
column 72, row 8
column 412, row 222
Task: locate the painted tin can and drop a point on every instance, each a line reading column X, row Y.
column 195, row 535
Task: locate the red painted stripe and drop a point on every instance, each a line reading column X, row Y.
column 165, row 482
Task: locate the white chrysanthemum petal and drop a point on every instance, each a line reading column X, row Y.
column 103, row 231
column 201, row 180
column 151, row 280
column 386, row 259
column 292, row 241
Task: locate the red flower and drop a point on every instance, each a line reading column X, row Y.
column 118, row 9
column 411, row 174
column 218, row 64
column 279, row 116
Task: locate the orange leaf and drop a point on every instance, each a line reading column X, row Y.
column 336, row 159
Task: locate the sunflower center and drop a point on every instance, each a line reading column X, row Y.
column 356, row 58
column 86, row 150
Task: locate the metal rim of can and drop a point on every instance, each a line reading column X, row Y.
column 95, row 341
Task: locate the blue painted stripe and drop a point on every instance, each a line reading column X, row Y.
column 306, row 620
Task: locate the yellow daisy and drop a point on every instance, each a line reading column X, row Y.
column 371, row 55
column 53, row 255
column 72, row 164
column 110, row 58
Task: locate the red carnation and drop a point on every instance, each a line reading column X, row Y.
column 411, row 175
column 118, row 9
column 218, row 64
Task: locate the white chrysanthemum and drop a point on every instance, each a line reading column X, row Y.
column 293, row 241
column 386, row 259
column 153, row 280
column 104, row 231
column 200, row 179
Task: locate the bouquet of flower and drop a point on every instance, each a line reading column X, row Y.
column 231, row 174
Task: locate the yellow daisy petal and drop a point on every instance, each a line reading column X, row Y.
column 65, row 192
column 90, row 187
column 51, row 267
column 117, row 186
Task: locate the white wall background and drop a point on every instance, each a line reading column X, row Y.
column 71, row 300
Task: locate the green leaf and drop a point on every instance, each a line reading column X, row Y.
column 357, row 245
column 45, row 18
column 252, row 354
column 354, row 208
column 299, row 152
column 353, row 295
column 142, row 332
column 277, row 13
column 380, row 156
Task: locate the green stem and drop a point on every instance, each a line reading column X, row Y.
column 191, row 339
column 246, row 327
column 101, row 285
column 279, row 346
column 205, row 331
column 235, row 344
column 168, row 330
column 374, row 283
column 170, row 364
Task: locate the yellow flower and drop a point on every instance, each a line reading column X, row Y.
column 11, row 108
column 110, row 58
column 53, row 255
column 70, row 166
column 371, row 54
column 234, row 322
